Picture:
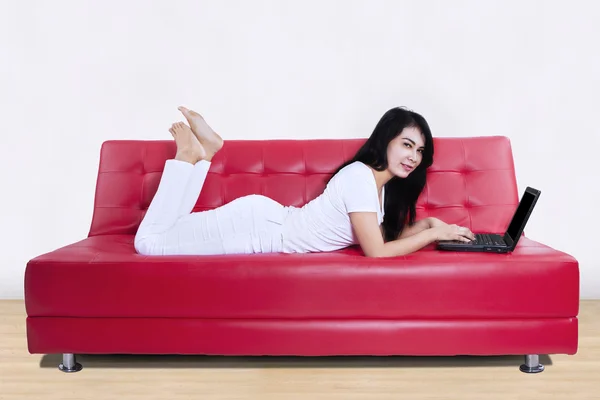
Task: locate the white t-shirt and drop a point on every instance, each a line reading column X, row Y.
column 323, row 224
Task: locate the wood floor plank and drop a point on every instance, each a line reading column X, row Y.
column 25, row 376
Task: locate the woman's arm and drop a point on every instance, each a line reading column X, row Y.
column 365, row 227
column 407, row 245
column 371, row 241
column 419, row 226
column 415, row 228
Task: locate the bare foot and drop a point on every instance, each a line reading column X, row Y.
column 206, row 136
column 188, row 147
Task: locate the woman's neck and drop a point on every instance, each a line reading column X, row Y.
column 381, row 177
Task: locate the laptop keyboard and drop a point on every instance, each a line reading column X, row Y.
column 484, row 238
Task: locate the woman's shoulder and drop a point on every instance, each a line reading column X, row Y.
column 352, row 174
column 355, row 167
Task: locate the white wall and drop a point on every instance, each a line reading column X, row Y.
column 76, row 73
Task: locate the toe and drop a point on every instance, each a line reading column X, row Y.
column 186, row 113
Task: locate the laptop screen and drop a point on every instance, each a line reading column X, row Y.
column 519, row 217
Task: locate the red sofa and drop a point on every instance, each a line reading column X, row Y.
column 97, row 296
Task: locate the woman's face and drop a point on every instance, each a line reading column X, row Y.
column 405, row 152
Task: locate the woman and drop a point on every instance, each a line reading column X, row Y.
column 370, row 200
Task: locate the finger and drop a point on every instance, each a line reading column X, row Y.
column 461, row 238
column 468, row 233
column 465, row 238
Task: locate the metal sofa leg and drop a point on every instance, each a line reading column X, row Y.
column 532, row 364
column 69, row 364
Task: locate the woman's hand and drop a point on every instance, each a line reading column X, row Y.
column 453, row 232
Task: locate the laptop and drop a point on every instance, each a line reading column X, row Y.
column 493, row 243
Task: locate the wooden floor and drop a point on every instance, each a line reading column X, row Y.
column 26, row 376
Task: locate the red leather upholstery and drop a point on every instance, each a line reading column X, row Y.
column 425, row 303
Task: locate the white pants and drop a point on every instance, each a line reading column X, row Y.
column 250, row 224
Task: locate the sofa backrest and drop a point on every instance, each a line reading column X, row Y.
column 471, row 182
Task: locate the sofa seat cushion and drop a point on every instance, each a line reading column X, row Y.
column 102, row 276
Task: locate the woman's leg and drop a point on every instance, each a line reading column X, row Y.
column 181, row 176
column 250, row 224
column 246, row 225
column 181, row 182
column 212, row 143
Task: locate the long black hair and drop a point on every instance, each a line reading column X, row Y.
column 401, row 194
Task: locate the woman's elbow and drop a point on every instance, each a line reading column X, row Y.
column 375, row 253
